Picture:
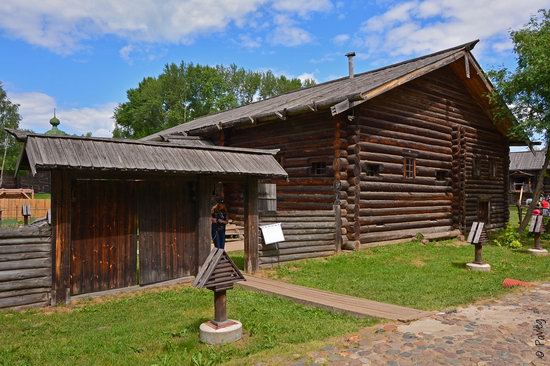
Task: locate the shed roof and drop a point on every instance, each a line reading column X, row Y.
column 42, row 152
column 526, row 160
column 355, row 90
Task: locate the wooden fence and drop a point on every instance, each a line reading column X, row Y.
column 11, row 208
column 25, row 266
column 308, row 234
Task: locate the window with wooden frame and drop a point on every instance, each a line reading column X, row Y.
column 318, row 168
column 409, row 167
column 371, row 170
column 476, row 167
column 441, row 175
column 492, row 168
column 267, row 197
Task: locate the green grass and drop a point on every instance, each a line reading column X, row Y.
column 42, row 196
column 427, row 277
column 161, row 327
column 514, row 219
column 238, row 258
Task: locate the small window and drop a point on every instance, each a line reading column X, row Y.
column 318, row 169
column 492, row 169
column 476, row 167
column 409, row 168
column 372, row 170
column 267, row 197
column 441, row 175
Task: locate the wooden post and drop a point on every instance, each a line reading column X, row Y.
column 61, row 201
column 538, row 245
column 338, row 218
column 26, row 212
column 204, row 225
column 251, row 242
column 478, row 251
column 220, row 306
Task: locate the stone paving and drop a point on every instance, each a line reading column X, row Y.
column 497, row 332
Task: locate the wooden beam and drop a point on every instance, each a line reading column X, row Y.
column 204, row 225
column 251, row 222
column 411, row 76
column 61, row 202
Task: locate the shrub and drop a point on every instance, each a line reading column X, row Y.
column 509, row 238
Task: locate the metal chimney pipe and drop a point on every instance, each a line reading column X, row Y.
column 350, row 56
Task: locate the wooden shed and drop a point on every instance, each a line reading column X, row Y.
column 525, row 168
column 374, row 157
column 130, row 213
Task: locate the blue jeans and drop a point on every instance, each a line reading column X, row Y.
column 218, row 235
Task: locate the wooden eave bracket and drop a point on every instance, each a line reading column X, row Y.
column 343, row 106
column 281, row 114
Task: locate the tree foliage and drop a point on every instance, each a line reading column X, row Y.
column 9, row 118
column 184, row 92
column 526, row 90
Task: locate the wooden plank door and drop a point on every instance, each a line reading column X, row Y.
column 167, row 221
column 103, row 235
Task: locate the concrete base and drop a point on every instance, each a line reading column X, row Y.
column 538, row 252
column 210, row 334
column 479, row 267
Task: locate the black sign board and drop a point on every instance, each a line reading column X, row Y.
column 478, row 234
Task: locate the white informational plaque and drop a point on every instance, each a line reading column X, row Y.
column 272, row 233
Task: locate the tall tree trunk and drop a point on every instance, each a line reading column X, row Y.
column 538, row 189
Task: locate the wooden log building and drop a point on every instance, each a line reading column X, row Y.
column 525, row 168
column 373, row 157
column 130, row 213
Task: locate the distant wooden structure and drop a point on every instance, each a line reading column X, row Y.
column 112, row 197
column 375, row 157
column 525, row 168
column 16, row 193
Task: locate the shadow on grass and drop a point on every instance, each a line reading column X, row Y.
column 461, row 265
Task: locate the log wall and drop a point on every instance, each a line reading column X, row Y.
column 25, row 266
column 303, row 141
column 308, row 234
column 435, row 121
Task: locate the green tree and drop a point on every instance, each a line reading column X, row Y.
column 526, row 90
column 184, row 92
column 9, row 118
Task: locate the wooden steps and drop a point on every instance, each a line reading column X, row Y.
column 332, row 301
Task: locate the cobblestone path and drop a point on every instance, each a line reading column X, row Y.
column 496, row 332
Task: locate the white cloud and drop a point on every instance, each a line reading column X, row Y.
column 302, row 7
column 248, row 41
column 340, row 39
column 36, row 109
column 422, row 26
column 307, row 75
column 68, row 26
column 62, row 26
column 286, row 33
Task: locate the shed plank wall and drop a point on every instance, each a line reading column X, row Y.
column 25, row 266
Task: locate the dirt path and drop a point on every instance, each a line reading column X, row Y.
column 513, row 330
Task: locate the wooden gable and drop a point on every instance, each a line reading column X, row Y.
column 218, row 272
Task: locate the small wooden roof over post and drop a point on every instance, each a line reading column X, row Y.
column 218, row 273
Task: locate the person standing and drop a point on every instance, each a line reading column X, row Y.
column 219, row 220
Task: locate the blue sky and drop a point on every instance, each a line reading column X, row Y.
column 81, row 56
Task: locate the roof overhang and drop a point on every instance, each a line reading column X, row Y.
column 43, row 152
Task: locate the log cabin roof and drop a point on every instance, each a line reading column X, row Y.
column 354, row 90
column 526, row 160
column 42, row 152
